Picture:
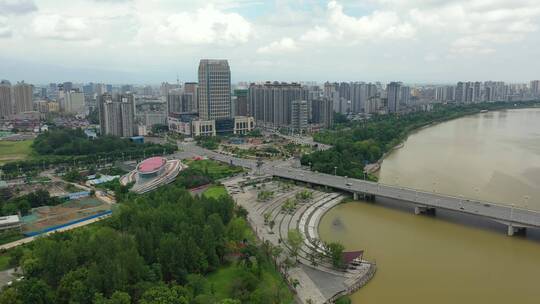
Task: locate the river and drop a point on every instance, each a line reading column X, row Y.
column 492, row 156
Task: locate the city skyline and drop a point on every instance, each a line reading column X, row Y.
column 135, row 41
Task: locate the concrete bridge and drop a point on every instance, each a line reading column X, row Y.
column 515, row 218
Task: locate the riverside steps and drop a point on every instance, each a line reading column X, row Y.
column 319, row 281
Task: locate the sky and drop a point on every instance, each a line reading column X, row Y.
column 151, row 41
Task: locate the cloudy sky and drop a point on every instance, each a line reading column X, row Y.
column 150, row 41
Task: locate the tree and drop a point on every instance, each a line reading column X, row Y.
column 295, row 239
column 271, row 225
column 336, row 253
column 166, row 295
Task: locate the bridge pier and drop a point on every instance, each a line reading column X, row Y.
column 512, row 230
column 355, row 196
column 420, row 209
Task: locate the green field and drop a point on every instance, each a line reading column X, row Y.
column 222, row 281
column 215, row 191
column 4, row 261
column 14, row 150
column 213, row 169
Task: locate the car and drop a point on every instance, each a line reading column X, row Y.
column 348, row 184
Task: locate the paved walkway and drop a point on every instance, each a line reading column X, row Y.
column 319, row 283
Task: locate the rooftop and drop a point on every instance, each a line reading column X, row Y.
column 151, row 164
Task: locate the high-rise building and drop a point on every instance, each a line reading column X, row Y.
column 405, row 95
column 270, row 103
column 116, row 115
column 6, row 104
column 469, row 92
column 322, row 112
column 180, row 102
column 214, row 89
column 22, row 97
column 393, row 91
column 535, row 88
column 477, row 97
column 460, row 92
column 240, row 102
column 68, row 86
column 192, row 88
column 359, row 96
column 299, row 116
column 74, row 102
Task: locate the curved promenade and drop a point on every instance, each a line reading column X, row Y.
column 319, row 281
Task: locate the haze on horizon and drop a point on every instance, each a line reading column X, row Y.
column 150, row 41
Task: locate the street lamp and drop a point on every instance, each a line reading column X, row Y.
column 335, row 170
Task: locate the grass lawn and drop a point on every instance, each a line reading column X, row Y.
column 4, row 262
column 221, row 281
column 14, row 150
column 214, row 169
column 215, row 191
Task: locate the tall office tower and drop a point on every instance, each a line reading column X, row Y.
column 460, row 92
column 74, row 102
column 393, row 91
column 322, row 111
column 116, row 115
column 359, row 95
column 270, row 103
column 405, row 95
column 22, row 97
column 6, row 104
column 178, row 102
column 535, row 88
column 214, row 89
column 192, row 88
column 241, row 103
column 299, row 116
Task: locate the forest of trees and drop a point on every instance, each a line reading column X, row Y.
column 10, row 205
column 358, row 143
column 71, row 147
column 156, row 248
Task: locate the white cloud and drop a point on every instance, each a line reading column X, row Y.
column 204, row 26
column 317, row 34
column 379, row 24
column 59, row 27
column 5, row 30
column 277, row 47
column 17, row 7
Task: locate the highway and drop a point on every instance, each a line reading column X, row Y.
column 514, row 217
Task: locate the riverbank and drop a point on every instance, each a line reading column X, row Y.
column 356, row 144
column 450, row 259
column 319, row 281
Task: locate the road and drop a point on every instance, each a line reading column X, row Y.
column 503, row 213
